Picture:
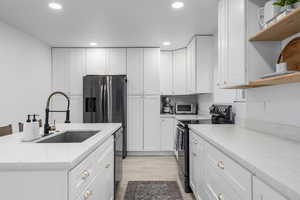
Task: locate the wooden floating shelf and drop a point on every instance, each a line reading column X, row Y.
column 276, row 80
column 280, row 30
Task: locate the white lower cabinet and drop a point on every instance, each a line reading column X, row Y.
column 135, row 115
column 151, row 123
column 93, row 178
column 167, row 134
column 214, row 176
column 262, row 191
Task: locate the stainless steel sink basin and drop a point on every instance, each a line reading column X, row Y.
column 70, row 137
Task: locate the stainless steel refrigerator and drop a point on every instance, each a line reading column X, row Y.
column 105, row 101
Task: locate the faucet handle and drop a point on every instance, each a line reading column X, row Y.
column 53, row 127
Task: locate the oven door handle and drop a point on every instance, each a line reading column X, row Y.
column 181, row 129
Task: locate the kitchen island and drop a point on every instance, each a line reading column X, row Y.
column 62, row 171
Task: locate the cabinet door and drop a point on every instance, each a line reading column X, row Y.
column 76, row 107
column 166, row 73
column 96, row 61
column 262, row 191
column 135, row 72
column 193, row 163
column 151, row 71
column 191, row 67
column 77, row 70
column 222, row 42
column 151, row 123
column 117, row 61
column 204, row 64
column 60, row 69
column 167, row 134
column 236, row 42
column 180, row 71
column 135, row 123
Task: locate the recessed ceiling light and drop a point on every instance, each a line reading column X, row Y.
column 178, row 4
column 93, row 44
column 166, row 43
column 55, row 6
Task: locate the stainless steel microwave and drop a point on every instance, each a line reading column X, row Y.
column 186, row 109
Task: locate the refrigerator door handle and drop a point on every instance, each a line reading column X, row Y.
column 109, row 97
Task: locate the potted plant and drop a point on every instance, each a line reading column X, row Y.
column 287, row 4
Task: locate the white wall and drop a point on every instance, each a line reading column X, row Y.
column 25, row 72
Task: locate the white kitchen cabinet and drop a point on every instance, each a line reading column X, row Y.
column 204, row 64
column 191, row 67
column 76, row 109
column 180, row 71
column 167, row 133
column 77, row 69
column 261, row 191
column 232, row 42
column 135, row 71
column 152, row 123
column 60, row 69
column 135, row 131
column 166, row 73
column 151, row 71
column 117, row 61
column 197, row 164
column 97, row 61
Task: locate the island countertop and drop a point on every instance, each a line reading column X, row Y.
column 274, row 160
column 17, row 155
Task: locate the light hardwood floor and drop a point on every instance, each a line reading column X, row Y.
column 140, row 168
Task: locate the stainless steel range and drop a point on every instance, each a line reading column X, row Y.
column 220, row 114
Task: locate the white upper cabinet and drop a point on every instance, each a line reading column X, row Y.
column 263, row 192
column 77, row 70
column 191, row 67
column 204, row 64
column 180, row 71
column 96, row 61
column 151, row 123
column 166, row 72
column 135, row 71
column 232, row 42
column 135, row 117
column 68, row 68
column 117, row 61
column 151, row 71
column 60, row 69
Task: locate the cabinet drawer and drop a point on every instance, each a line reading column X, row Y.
column 82, row 174
column 232, row 177
column 102, row 185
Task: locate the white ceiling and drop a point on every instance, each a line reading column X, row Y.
column 119, row 23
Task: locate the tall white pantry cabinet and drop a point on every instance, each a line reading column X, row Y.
column 143, row 99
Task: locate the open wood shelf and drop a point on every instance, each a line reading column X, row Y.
column 276, row 80
column 280, row 30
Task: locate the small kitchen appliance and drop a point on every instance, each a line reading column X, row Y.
column 220, row 114
column 186, row 109
column 167, row 106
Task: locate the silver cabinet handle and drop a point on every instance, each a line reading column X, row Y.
column 221, row 165
column 195, row 142
column 85, row 174
column 87, row 194
column 107, row 166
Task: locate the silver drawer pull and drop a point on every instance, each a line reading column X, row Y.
column 107, row 166
column 195, row 142
column 220, row 196
column 221, row 165
column 85, row 174
column 87, row 194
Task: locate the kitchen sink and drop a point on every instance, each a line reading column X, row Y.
column 70, row 137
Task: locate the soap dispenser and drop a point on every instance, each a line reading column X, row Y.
column 35, row 127
column 28, row 129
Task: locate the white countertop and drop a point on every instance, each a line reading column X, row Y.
column 17, row 155
column 186, row 117
column 273, row 160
